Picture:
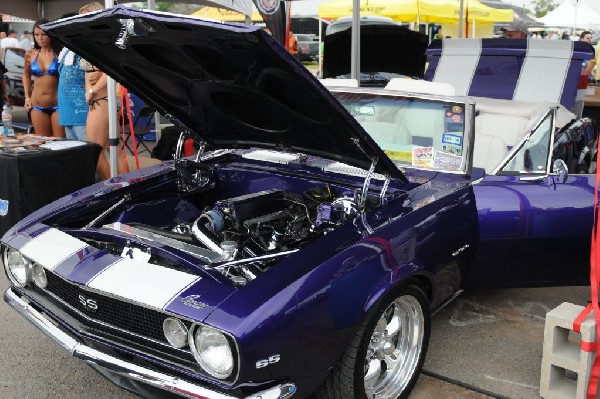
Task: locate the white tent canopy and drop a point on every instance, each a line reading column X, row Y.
column 572, row 14
column 306, row 8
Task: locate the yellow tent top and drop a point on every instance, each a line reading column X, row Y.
column 222, row 14
column 440, row 11
column 428, row 11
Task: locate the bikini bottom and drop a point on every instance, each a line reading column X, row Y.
column 46, row 110
column 96, row 100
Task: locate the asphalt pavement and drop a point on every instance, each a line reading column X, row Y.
column 484, row 344
column 491, row 341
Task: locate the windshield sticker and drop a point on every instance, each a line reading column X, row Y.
column 456, row 118
column 400, row 156
column 454, row 139
column 447, row 161
column 457, row 109
column 422, row 156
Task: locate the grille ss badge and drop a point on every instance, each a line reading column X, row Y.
column 88, row 304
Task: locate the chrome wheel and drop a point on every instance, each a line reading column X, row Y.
column 385, row 356
column 394, row 350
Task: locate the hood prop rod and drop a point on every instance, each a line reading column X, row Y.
column 386, row 184
column 91, row 224
column 362, row 197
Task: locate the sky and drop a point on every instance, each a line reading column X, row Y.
column 518, row 2
column 594, row 4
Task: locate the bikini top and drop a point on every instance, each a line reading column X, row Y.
column 52, row 69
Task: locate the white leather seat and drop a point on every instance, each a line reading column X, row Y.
column 510, row 120
column 509, row 128
column 424, row 125
column 386, row 133
column 488, row 151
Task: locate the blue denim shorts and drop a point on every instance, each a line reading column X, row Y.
column 75, row 133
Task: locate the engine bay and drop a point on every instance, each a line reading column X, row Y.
column 241, row 236
column 237, row 220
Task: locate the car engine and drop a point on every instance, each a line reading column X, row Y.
column 250, row 231
column 241, row 237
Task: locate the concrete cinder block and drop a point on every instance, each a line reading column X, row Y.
column 565, row 367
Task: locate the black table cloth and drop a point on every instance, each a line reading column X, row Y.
column 30, row 180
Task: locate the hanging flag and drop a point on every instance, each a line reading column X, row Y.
column 273, row 14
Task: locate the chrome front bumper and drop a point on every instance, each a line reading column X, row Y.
column 127, row 369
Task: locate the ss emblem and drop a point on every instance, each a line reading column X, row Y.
column 88, row 304
column 265, row 362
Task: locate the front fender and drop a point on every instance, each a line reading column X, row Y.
column 306, row 309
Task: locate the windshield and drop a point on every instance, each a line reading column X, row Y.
column 533, row 155
column 413, row 132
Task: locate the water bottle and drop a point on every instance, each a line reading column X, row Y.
column 7, row 127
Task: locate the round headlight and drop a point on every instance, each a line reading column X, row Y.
column 212, row 351
column 39, row 275
column 176, row 332
column 17, row 268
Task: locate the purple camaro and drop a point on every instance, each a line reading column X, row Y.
column 304, row 247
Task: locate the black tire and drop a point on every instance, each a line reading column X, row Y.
column 347, row 380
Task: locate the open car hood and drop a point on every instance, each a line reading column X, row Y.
column 383, row 49
column 232, row 85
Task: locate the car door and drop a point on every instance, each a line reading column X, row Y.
column 534, row 225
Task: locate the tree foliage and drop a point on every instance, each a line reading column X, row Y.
column 543, row 7
column 164, row 6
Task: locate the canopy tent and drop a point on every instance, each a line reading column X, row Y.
column 424, row 11
column 17, row 23
column 571, row 14
column 53, row 9
column 306, row 8
column 11, row 19
column 594, row 4
column 303, row 9
column 222, row 14
column 519, row 13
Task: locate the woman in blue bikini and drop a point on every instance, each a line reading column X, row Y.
column 40, row 82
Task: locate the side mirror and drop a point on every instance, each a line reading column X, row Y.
column 559, row 167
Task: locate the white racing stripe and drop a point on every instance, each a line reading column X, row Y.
column 458, row 63
column 144, row 283
column 551, row 57
column 51, row 248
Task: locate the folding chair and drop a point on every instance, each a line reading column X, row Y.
column 143, row 124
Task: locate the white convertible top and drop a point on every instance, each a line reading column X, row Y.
column 421, row 86
column 331, row 82
column 523, row 109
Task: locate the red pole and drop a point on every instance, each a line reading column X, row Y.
column 288, row 19
column 467, row 20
